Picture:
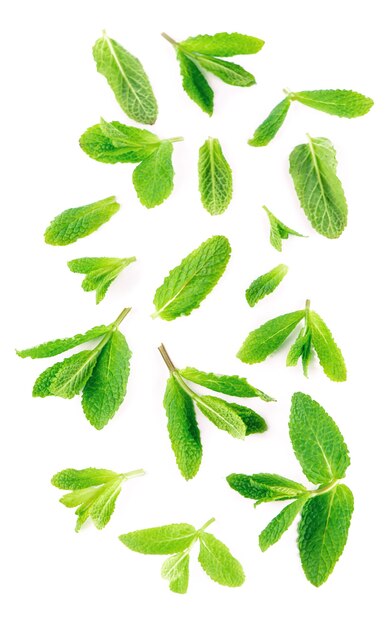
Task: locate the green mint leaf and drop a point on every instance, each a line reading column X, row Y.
column 271, row 125
column 222, row 414
column 127, row 79
column 100, row 272
column 193, row 279
column 80, row 479
column 113, row 142
column 254, row 423
column 317, row 442
column 52, row 348
column 218, row 562
column 42, row 385
column 215, row 177
column 183, row 428
column 105, row 389
column 341, row 102
column 76, row 223
column 95, row 492
column 323, row 532
column 301, row 349
column 223, row 44
column 265, row 284
column 194, row 83
column 265, row 487
column 161, row 539
column 229, row 73
column 176, row 570
column 329, row 354
column 229, row 385
column 313, row 169
column 280, row 524
column 72, row 376
column 260, row 343
column 153, row 177
column 279, row 231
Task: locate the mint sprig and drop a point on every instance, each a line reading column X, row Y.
column 100, row 272
column 326, row 510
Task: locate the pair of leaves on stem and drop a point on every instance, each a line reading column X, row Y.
column 113, row 142
column 100, row 272
column 341, row 102
column 100, row 374
column 326, row 511
column 127, row 79
column 315, row 335
column 92, row 492
column 192, row 280
column 278, row 230
column 180, row 402
column 199, row 55
column 178, row 541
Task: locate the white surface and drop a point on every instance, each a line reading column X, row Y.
column 51, row 94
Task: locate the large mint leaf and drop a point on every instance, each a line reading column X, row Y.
column 229, row 385
column 223, row 44
column 113, row 142
column 52, row 348
column 265, row 487
column 194, row 83
column 161, row 539
column 328, row 352
column 215, row 177
column 153, row 177
column 341, row 102
column 218, row 562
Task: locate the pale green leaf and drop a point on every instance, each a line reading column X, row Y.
column 193, row 279
column 218, row 562
column 328, row 352
column 79, row 497
column 223, row 44
column 76, row 223
column 317, row 442
column 103, row 507
column 106, row 388
column 280, row 523
column 127, row 78
column 301, row 349
column 271, row 125
column 265, row 487
column 229, row 73
column 194, row 83
column 113, row 142
column 323, row 532
column 313, row 169
column 265, row 284
column 176, row 570
column 100, row 272
column 153, row 177
column 183, row 429
column 161, row 539
column 229, row 385
column 215, row 177
column 222, row 414
column 73, row 374
column 80, row 479
column 279, row 231
column 52, row 348
column 341, row 102
column 260, row 343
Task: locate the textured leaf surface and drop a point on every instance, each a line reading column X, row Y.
column 313, row 169
column 113, row 142
column 301, row 349
column 223, row 44
column 106, row 388
column 76, row 223
column 127, row 79
column 80, row 479
column 271, row 125
column 195, row 84
column 218, row 562
column 215, row 177
column 52, row 348
column 161, row 539
column 280, row 523
column 329, row 354
column 230, row 73
column 176, row 570
column 230, row 385
column 341, row 102
column 265, row 487
column 279, row 231
column 268, row 337
column 100, row 272
column 183, row 429
column 42, row 385
column 73, row 374
column 254, row 423
column 323, row 532
column 317, row 442
column 153, row 177
column 103, row 507
column 223, row 415
column 190, row 282
column 265, row 284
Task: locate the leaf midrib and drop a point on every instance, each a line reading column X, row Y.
column 121, row 70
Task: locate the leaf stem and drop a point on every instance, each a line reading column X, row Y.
column 134, row 473
column 168, row 38
column 167, row 358
column 324, row 488
column 121, row 317
column 174, row 139
column 203, row 528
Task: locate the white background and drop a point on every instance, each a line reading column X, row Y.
column 51, row 94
